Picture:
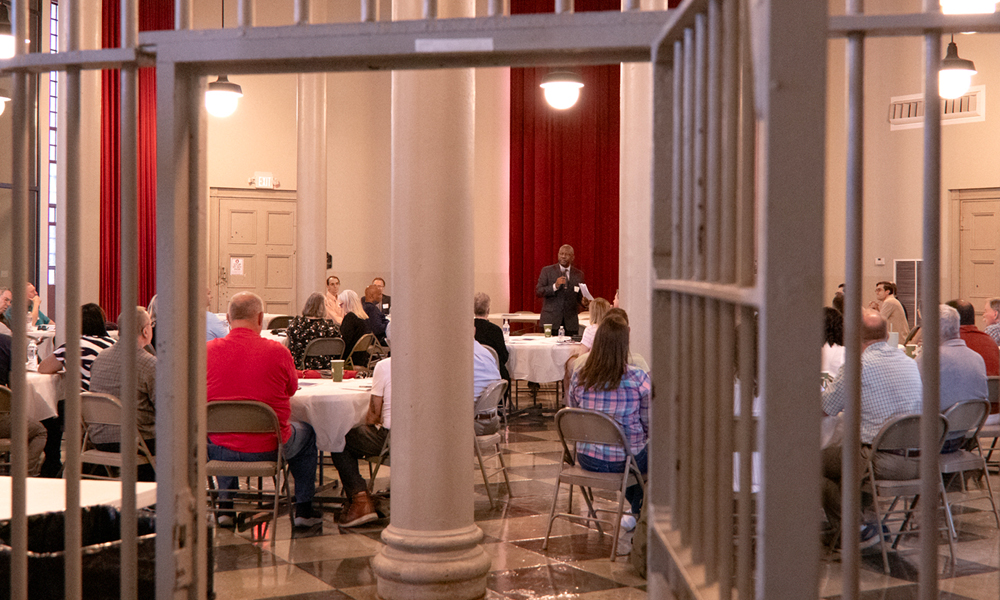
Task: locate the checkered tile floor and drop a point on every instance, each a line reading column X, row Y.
column 328, row 563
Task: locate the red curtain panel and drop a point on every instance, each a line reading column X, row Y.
column 153, row 15
column 563, row 173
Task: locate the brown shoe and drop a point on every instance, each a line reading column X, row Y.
column 361, row 511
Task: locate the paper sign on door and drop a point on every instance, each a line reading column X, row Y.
column 235, row 265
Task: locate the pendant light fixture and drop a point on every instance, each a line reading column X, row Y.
column 968, row 7
column 223, row 96
column 562, row 89
column 955, row 74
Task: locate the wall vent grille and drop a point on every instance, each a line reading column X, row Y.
column 907, row 112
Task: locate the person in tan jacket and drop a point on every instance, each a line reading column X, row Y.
column 890, row 308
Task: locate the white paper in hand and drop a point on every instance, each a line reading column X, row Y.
column 586, row 292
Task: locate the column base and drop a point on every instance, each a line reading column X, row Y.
column 431, row 565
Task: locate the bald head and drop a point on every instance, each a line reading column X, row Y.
column 873, row 328
column 246, row 309
column 566, row 255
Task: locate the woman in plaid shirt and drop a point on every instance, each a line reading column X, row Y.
column 607, row 383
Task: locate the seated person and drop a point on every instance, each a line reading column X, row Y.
column 832, row 352
column 608, row 383
column 34, row 300
column 311, row 325
column 106, row 378
column 5, row 299
column 95, row 338
column 484, row 372
column 376, row 318
column 37, row 435
column 333, row 310
column 363, row 441
column 634, row 358
column 598, row 308
column 490, row 334
column 245, row 366
column 354, row 325
column 214, row 326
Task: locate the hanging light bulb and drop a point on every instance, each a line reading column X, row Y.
column 968, row 7
column 222, row 97
column 6, row 35
column 562, row 89
column 955, row 74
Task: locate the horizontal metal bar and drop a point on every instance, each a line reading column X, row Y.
column 110, row 58
column 734, row 294
column 523, row 40
column 912, row 24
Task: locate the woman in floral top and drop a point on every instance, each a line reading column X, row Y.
column 309, row 326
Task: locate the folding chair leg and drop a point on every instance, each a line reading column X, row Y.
column 552, row 515
column 989, row 489
column 878, row 525
column 510, row 492
column 947, row 511
column 486, row 481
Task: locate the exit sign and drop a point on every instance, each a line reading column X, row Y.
column 263, row 180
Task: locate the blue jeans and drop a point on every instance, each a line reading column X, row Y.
column 633, row 493
column 300, row 454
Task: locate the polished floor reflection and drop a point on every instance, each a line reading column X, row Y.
column 328, row 563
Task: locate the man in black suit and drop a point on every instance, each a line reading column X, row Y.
column 489, row 334
column 559, row 287
column 385, row 300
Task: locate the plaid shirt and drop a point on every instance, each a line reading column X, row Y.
column 890, row 386
column 628, row 404
column 994, row 332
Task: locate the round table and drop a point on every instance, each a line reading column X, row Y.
column 45, row 341
column 332, row 408
column 538, row 358
column 46, row 392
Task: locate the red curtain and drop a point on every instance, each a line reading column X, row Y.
column 153, row 15
column 563, row 173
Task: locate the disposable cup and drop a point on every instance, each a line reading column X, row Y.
column 337, row 367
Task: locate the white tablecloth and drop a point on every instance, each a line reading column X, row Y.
column 332, row 408
column 539, row 359
column 45, row 340
column 498, row 318
column 49, row 495
column 280, row 338
column 46, row 391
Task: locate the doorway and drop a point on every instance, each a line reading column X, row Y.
column 979, row 246
column 252, row 247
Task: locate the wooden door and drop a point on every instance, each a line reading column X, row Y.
column 253, row 247
column 979, row 251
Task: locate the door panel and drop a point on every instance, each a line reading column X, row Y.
column 979, row 251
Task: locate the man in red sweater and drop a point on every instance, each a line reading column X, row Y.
column 976, row 339
column 245, row 366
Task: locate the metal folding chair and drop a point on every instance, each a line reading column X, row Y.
column 104, row 409
column 965, row 419
column 488, row 446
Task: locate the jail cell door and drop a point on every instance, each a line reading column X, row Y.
column 253, row 247
column 979, row 251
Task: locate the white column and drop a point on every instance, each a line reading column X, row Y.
column 90, row 171
column 433, row 545
column 635, row 267
column 310, row 215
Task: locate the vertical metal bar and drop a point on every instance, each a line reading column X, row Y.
column 729, row 152
column 632, row 5
column 369, row 12
column 698, row 181
column 688, row 182
column 744, row 444
column 127, row 326
column 851, row 447
column 183, row 15
column 677, row 164
column 685, row 483
column 430, row 9
column 303, row 10
column 674, row 353
column 745, row 226
column 72, row 320
column 713, row 152
column 931, row 298
column 724, row 475
column 697, row 401
column 711, row 441
column 564, row 6
column 246, row 12
column 21, row 150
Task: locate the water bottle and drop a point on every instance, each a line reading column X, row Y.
column 32, row 355
column 562, row 332
column 506, row 331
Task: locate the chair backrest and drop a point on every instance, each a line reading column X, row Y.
column 490, row 397
column 325, row 347
column 280, row 322
column 363, row 343
column 242, row 416
column 966, row 417
column 589, row 426
column 5, row 399
column 993, row 388
column 496, row 357
column 100, row 409
column 902, row 432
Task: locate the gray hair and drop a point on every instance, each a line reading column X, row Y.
column 245, row 306
column 949, row 323
column 481, row 304
column 994, row 303
column 142, row 318
column 351, row 302
column 151, row 309
column 315, row 306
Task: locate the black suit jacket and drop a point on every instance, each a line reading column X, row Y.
column 560, row 306
column 490, row 334
column 385, row 303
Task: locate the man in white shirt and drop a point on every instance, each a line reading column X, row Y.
column 484, row 372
